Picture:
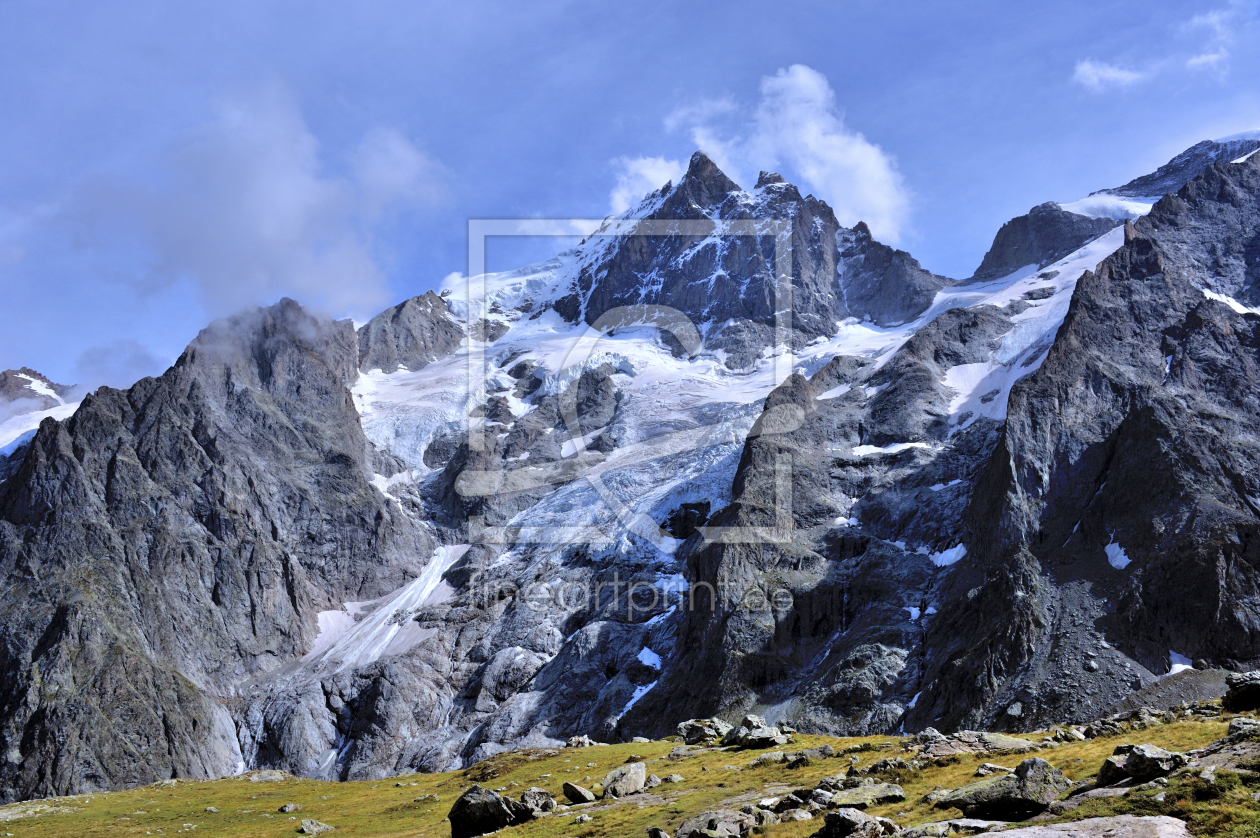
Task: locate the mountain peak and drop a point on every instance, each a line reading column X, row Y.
column 769, row 179
column 705, row 184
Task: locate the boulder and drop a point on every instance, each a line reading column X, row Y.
column 1243, row 725
column 656, row 832
column 796, row 815
column 481, row 811
column 1242, row 691
column 988, row 769
column 577, row 794
column 579, row 742
column 694, row 731
column 310, row 826
column 771, row 758
column 290, row 807
column 933, row 743
column 1139, row 763
column 954, row 826
column 625, row 779
column 787, row 803
column 1112, row 771
column 1146, row 762
column 764, row 737
column 721, row 823
column 1027, row 791
column 1122, row 826
column 849, row 823
column 673, row 778
column 539, row 800
column 866, row 795
column 652, row 781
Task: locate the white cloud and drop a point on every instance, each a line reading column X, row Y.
column 1099, row 76
column 796, row 126
column 637, row 176
column 1215, row 53
column 699, row 112
column 388, row 169
column 247, row 211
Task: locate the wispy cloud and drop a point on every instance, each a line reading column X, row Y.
column 247, row 210
column 1214, row 54
column 1100, row 76
column 796, row 125
column 1208, row 39
column 637, row 176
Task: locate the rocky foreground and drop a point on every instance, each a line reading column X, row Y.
column 1191, row 770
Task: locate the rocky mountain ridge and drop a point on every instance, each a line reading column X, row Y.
column 623, row 489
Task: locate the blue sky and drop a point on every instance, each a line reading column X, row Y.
column 165, row 163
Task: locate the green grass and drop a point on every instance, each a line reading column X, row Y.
column 383, row 808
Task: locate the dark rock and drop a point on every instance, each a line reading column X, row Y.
column 481, row 811
column 1046, row 234
column 720, row 823
column 1184, row 168
column 850, row 823
column 1139, row 763
column 1243, row 692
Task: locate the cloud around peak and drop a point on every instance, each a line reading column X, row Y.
column 796, row 128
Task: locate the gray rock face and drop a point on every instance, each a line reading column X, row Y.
column 931, row 526
column 412, row 334
column 1045, row 235
column 178, row 538
column 1027, row 791
column 1184, row 168
column 887, row 285
column 1070, row 497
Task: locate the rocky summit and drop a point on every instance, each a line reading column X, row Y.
column 726, row 461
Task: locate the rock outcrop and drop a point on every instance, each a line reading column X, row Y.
column 1027, row 791
column 1045, row 235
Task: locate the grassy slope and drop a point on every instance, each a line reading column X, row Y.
column 384, row 809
